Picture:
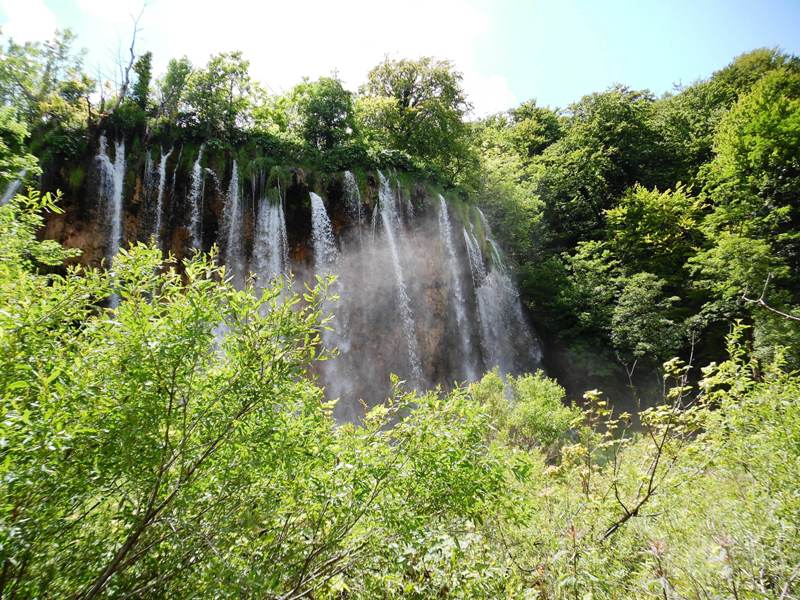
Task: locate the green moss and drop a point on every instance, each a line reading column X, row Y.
column 76, row 177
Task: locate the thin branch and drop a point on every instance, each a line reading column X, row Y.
column 760, row 301
column 788, row 585
column 126, row 71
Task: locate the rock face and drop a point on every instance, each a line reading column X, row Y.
column 414, row 271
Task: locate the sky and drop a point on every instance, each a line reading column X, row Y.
column 509, row 51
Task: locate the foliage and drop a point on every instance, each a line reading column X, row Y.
column 417, row 107
column 174, row 446
column 641, row 326
column 754, row 176
column 217, row 96
column 538, row 416
column 655, row 231
column 324, row 112
column 143, row 67
column 527, row 411
column 44, row 85
column 734, row 265
column 696, row 188
column 14, row 159
column 594, row 283
column 171, row 87
column 610, row 144
column 42, row 79
column 533, row 128
column 177, row 446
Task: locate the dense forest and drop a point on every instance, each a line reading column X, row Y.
column 656, row 245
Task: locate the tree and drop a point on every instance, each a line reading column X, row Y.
column 14, row 158
column 641, row 325
column 752, row 186
column 592, row 287
column 171, row 88
column 533, row 128
column 735, row 264
column 610, row 143
column 504, row 188
column 689, row 119
column 655, row 231
column 143, row 67
column 754, row 179
column 738, row 78
column 417, row 106
column 124, row 82
column 118, row 461
column 41, row 80
column 218, row 96
column 324, row 112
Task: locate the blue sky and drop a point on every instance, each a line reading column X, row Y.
column 508, row 50
column 558, row 51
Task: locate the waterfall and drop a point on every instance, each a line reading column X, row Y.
column 116, row 204
column 374, row 226
column 507, row 341
column 388, row 214
column 477, row 268
column 149, row 176
column 270, row 246
column 196, row 202
column 527, row 339
column 12, row 187
column 408, row 204
column 112, row 181
column 325, row 251
column 232, row 228
column 421, row 290
column 353, row 198
column 175, row 173
column 162, row 178
column 489, row 300
column 337, row 373
column 459, row 304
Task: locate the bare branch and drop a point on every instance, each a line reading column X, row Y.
column 126, row 71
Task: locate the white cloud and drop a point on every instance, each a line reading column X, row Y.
column 27, row 20
column 285, row 41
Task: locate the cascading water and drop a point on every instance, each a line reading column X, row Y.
column 232, row 228
column 355, row 208
column 325, row 251
column 149, row 175
column 459, row 304
column 527, row 341
column 196, row 201
column 112, row 181
column 414, row 298
column 477, row 268
column 11, row 188
column 162, row 178
column 326, row 257
column 507, row 340
column 175, row 173
column 388, row 214
column 270, row 245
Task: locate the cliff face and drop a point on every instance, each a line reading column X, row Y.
column 422, row 289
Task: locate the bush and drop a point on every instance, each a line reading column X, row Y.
column 539, row 417
column 174, row 446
